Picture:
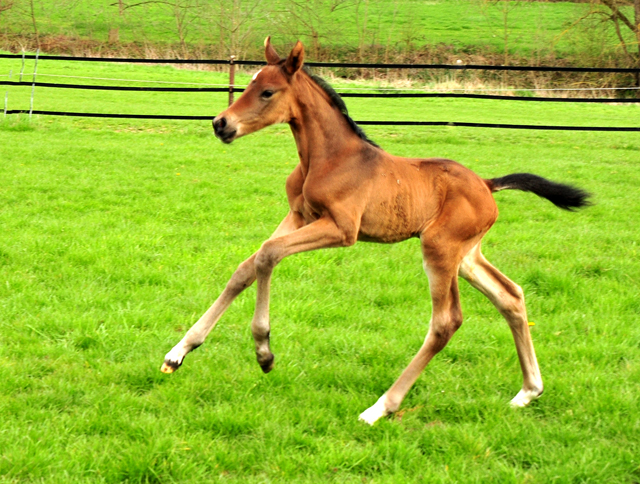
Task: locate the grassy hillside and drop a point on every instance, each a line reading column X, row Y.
column 372, row 29
column 117, row 235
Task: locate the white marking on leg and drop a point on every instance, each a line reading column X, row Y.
column 524, row 398
column 174, row 358
column 375, row 412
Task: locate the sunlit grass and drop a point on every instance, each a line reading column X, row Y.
column 466, row 26
column 116, row 236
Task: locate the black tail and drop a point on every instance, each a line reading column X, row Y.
column 561, row 195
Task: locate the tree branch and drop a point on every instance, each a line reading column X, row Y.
column 5, row 5
column 619, row 15
column 615, row 18
column 172, row 4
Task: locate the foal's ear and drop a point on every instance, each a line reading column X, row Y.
column 296, row 59
column 270, row 53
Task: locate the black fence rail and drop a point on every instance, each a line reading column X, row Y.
column 345, row 94
column 363, row 123
column 232, row 89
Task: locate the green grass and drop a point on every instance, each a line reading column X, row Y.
column 535, row 29
column 117, row 235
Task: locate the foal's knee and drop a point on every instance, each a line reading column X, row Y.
column 242, row 278
column 267, row 258
column 443, row 327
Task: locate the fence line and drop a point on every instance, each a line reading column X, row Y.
column 345, row 94
column 352, row 88
column 231, row 89
column 332, row 64
column 363, row 123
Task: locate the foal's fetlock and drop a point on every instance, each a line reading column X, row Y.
column 266, row 362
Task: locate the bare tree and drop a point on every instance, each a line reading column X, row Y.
column 32, row 14
column 184, row 13
column 235, row 20
column 625, row 20
column 24, row 9
column 391, row 31
column 316, row 19
column 411, row 33
column 620, row 20
column 5, row 5
column 361, row 24
column 505, row 10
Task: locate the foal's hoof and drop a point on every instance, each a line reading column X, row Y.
column 267, row 363
column 525, row 397
column 172, row 362
column 374, row 413
column 169, row 366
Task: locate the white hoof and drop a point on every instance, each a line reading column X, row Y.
column 524, row 398
column 172, row 361
column 376, row 412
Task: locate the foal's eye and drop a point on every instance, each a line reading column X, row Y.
column 266, row 94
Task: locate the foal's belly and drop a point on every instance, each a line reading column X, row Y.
column 402, row 201
column 391, row 220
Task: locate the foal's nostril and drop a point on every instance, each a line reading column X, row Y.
column 224, row 130
column 220, row 123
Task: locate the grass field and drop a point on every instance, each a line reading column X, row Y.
column 117, row 235
column 533, row 29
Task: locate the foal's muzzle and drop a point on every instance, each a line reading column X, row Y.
column 224, row 129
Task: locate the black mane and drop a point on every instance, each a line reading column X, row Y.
column 338, row 102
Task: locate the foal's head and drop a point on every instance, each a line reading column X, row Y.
column 266, row 101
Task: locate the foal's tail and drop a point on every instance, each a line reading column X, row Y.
column 564, row 196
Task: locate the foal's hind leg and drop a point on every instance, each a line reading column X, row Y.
column 508, row 298
column 242, row 278
column 446, row 318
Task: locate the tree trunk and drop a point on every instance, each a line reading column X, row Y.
column 35, row 24
column 222, row 17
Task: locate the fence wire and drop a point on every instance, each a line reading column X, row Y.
column 385, row 94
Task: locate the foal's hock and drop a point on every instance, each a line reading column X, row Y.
column 344, row 189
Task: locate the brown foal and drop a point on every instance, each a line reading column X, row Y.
column 346, row 189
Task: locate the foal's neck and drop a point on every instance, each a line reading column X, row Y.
column 323, row 135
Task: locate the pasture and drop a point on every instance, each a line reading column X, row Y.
column 524, row 29
column 117, row 235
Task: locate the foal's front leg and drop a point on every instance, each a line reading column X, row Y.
column 242, row 278
column 322, row 233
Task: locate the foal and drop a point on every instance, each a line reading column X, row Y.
column 346, row 189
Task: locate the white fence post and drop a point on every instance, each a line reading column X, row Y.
column 6, row 95
column 33, row 85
